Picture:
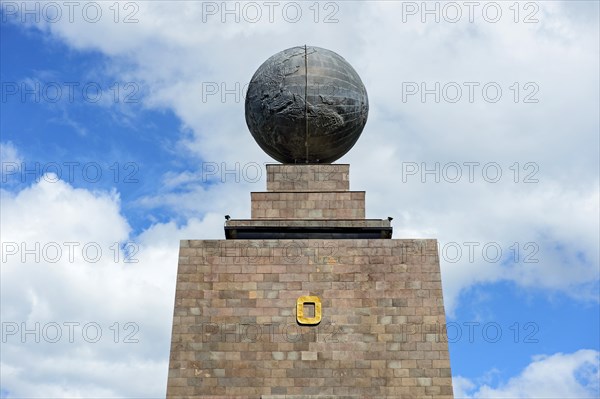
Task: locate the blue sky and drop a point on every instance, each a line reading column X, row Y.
column 128, row 171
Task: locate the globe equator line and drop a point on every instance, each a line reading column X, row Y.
column 306, row 101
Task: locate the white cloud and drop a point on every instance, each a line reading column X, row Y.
column 174, row 52
column 56, row 296
column 9, row 153
column 173, row 55
column 10, row 162
column 562, row 375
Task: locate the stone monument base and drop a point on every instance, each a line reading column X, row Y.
column 282, row 316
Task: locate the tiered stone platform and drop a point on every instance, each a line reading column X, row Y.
column 308, row 299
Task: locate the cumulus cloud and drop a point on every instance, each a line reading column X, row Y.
column 551, row 61
column 86, row 307
column 177, row 52
column 561, row 375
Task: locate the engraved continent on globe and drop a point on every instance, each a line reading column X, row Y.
column 306, row 105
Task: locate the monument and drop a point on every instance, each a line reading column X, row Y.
column 308, row 298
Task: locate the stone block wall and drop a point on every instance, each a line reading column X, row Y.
column 309, row 177
column 309, row 205
column 382, row 332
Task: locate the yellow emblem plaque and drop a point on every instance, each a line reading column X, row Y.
column 311, row 321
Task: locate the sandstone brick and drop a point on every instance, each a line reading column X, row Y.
column 235, row 332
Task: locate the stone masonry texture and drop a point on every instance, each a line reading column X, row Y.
column 321, row 177
column 381, row 335
column 308, row 192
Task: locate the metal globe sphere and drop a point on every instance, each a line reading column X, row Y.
column 306, row 105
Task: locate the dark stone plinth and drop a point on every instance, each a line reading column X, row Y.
column 307, row 229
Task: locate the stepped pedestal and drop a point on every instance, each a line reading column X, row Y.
column 308, row 299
